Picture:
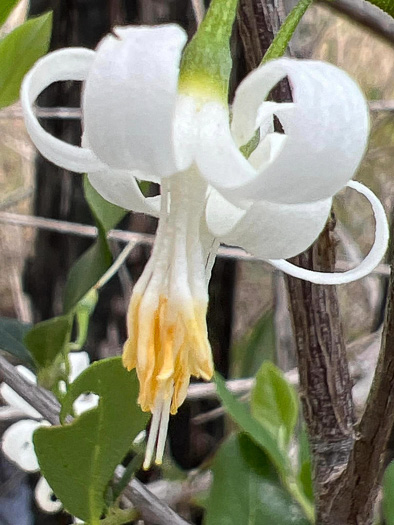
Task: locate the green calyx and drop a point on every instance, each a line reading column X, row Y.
column 207, row 63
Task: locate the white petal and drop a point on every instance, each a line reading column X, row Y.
column 18, row 444
column 130, row 98
column 121, row 188
column 79, row 361
column 326, row 134
column 44, row 497
column 85, row 402
column 65, row 64
column 366, row 266
column 27, row 374
column 7, row 412
column 15, row 401
column 267, row 228
column 218, row 158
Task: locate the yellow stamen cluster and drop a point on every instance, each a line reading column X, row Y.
column 167, row 344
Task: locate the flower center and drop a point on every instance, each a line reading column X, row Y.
column 167, row 334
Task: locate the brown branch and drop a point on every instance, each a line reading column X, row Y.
column 43, row 401
column 364, row 473
column 365, row 14
column 325, row 384
column 84, row 230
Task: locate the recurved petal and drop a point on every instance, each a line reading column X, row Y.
column 267, row 228
column 79, row 361
column 65, row 64
column 326, row 133
column 18, row 445
column 121, row 188
column 46, row 498
column 130, row 97
column 366, row 266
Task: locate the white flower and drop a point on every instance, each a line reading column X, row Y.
column 17, row 441
column 141, row 120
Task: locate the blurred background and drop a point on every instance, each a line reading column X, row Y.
column 248, row 319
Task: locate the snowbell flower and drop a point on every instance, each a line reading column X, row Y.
column 152, row 113
column 17, row 441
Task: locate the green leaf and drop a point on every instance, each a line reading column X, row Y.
column 88, row 269
column 46, row 340
column 264, row 438
column 19, row 51
column 388, row 494
column 107, row 215
column 258, row 345
column 246, row 489
column 83, row 311
column 274, row 402
column 6, row 7
column 282, row 38
column 305, row 472
column 305, row 480
column 78, row 459
column 260, row 434
column 385, row 5
column 12, row 333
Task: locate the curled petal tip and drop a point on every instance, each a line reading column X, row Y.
column 370, row 262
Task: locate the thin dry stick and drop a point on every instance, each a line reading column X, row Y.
column 366, row 14
column 84, row 230
column 199, row 10
column 151, row 508
column 63, row 113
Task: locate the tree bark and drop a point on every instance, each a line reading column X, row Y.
column 324, row 376
column 325, row 385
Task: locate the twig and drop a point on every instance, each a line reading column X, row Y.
column 152, row 509
column 120, row 259
column 84, row 230
column 366, row 14
column 47, row 405
column 199, row 10
column 198, row 391
column 43, row 401
column 15, row 112
column 15, row 197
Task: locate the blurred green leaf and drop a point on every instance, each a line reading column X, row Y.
column 385, row 5
column 246, row 489
column 83, row 311
column 107, row 215
column 260, row 434
column 258, row 345
column 79, row 459
column 12, row 333
column 6, row 7
column 305, row 470
column 265, row 438
column 88, row 269
column 19, row 51
column 274, row 402
column 46, row 340
column 305, row 479
column 388, row 494
column 282, row 38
